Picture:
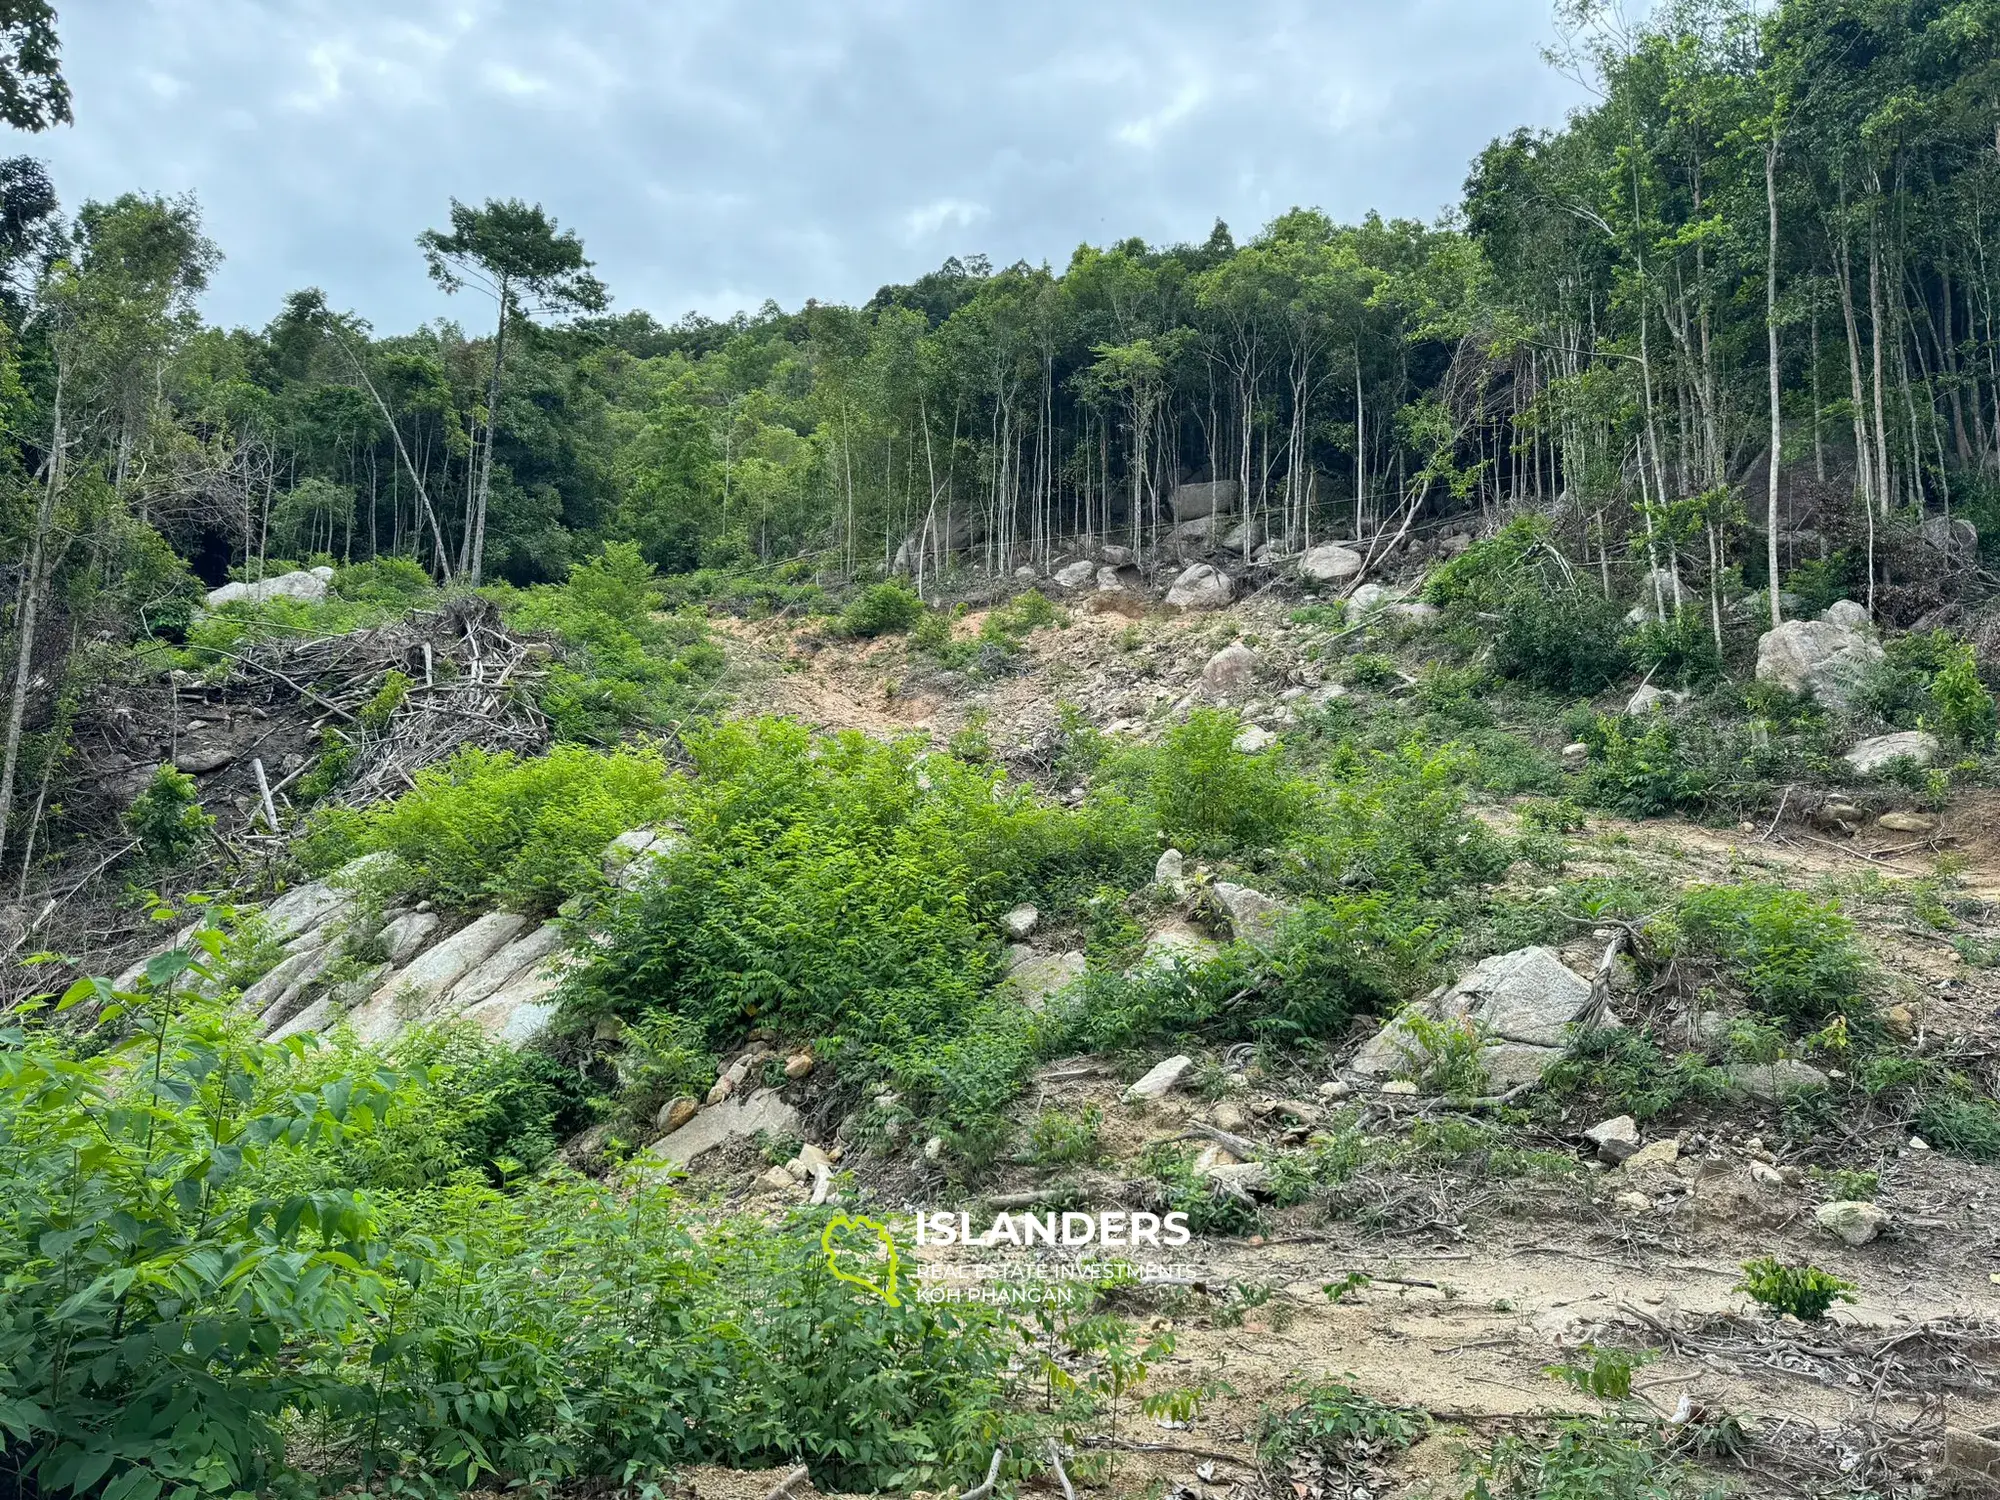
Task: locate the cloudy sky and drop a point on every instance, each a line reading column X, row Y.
column 715, row 154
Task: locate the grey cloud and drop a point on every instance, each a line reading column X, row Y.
column 713, row 155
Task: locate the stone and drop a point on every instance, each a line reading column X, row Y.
column 1331, row 563
column 1958, row 540
column 1229, row 673
column 1615, row 1139
column 288, row 973
column 1160, row 1079
column 1176, row 942
column 1212, row 1156
column 1170, row 869
column 1249, row 1176
column 314, row 1019
column 1117, row 557
column 1201, row 587
column 732, row 1120
column 1400, row 1086
column 521, row 1009
column 798, row 1065
column 1873, row 754
column 1901, row 1023
column 405, row 937
column 1817, row 656
column 1907, row 822
column 676, row 1113
column 777, row 1180
column 1416, row 612
column 1649, row 699
column 1634, row 1203
column 1335, row 1088
column 1124, row 579
column 412, row 992
column 505, row 964
column 1848, row 616
column 1254, row 917
column 199, row 753
column 1575, row 753
column 1253, row 739
column 1021, row 921
column 1653, row 1157
column 1076, row 575
column 631, row 857
column 1245, row 537
column 1974, row 1455
column 1657, row 592
column 1229, row 1116
column 308, row 585
column 1038, row 977
column 1369, row 597
column 1216, row 497
column 1766, row 1176
column 1768, row 1083
column 1852, row 1223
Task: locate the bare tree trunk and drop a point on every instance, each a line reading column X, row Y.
column 477, row 567
column 1883, row 494
column 27, row 614
column 1777, row 428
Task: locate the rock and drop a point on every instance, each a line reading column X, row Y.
column 1169, row 870
column 1901, row 1024
column 1193, row 501
column 934, row 1148
column 1958, row 540
column 521, row 1009
column 1331, row 563
column 1974, row 1455
column 1657, row 592
column 314, row 1019
column 676, row 1113
column 412, row 992
column 1816, row 656
column 504, row 965
column 285, row 976
column 1076, row 575
column 1370, row 596
column 1656, row 1156
column 1229, row 673
column 1115, row 556
column 1211, row 1157
column 798, row 1065
column 1250, row 1176
column 1615, row 1139
column 1335, row 1088
column 404, row 938
column 1201, row 587
column 1575, row 753
column 1229, row 1116
column 1907, row 822
column 631, row 857
column 777, row 1180
column 1401, row 1086
column 1160, row 1079
column 1119, row 580
column 732, row 1120
column 1872, row 755
column 1648, row 698
column 1021, row 921
column 1254, row 917
column 1852, row 1223
column 1176, row 942
column 1634, row 1203
column 1848, row 616
column 200, row 753
column 811, row 1160
column 1416, row 612
column 1244, row 537
column 307, row 911
column 1040, row 976
column 309, row 585
column 1768, row 1083
column 1766, row 1176
column 1253, row 739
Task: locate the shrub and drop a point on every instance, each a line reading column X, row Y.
column 1679, row 649
column 397, row 583
column 1965, row 708
column 1338, row 1425
column 486, row 826
column 1208, row 797
column 883, row 609
column 1625, row 1070
column 167, row 818
column 1066, row 1138
column 1395, row 823
column 1642, row 771
column 1805, row 1292
column 1559, row 637
column 1792, row 956
column 1443, row 1057
column 1962, row 1124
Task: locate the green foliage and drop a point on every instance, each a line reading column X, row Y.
column 394, row 583
column 1210, row 1207
column 167, row 818
column 485, row 827
column 1624, row 1069
column 1396, row 823
column 622, row 664
column 882, row 609
column 1558, row 637
column 1804, row 1292
column 1208, row 797
column 1608, row 1376
column 1603, row 1458
column 1679, row 649
column 1791, row 956
column 1965, row 708
column 1442, row 1056
column 1642, row 770
column 1341, row 1426
column 1066, row 1138
column 1963, row 1124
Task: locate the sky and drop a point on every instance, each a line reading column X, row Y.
column 714, row 154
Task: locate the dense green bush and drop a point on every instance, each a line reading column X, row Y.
column 882, row 609
column 167, row 818
column 484, row 827
column 397, row 583
column 1560, row 637
column 1397, row 823
column 1790, row 955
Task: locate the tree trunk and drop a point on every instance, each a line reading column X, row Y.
column 476, row 569
column 1771, row 337
column 27, row 614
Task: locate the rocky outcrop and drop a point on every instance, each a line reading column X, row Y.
column 1873, row 755
column 1216, row 497
column 1035, row 977
column 1822, row 657
column 1523, row 1005
column 1768, row 1083
column 1649, row 699
column 1176, row 942
column 413, row 993
column 1956, row 539
column 629, row 859
column 1254, row 918
column 1331, row 564
column 1076, row 575
column 1201, row 587
column 309, row 585
column 736, row 1118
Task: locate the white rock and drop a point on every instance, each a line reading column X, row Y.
column 506, row 964
column 1040, row 976
column 1615, row 1139
column 309, row 585
column 1770, row 1082
column 1852, row 1223
column 1848, row 616
column 734, row 1119
column 1076, row 575
column 1160, row 1079
column 1252, row 739
column 1254, row 917
column 1416, row 612
column 412, row 992
column 1331, row 563
column 1201, row 587
column 1648, row 698
column 404, row 938
column 1523, row 1003
column 1872, row 755
column 1213, row 498
column 1370, row 596
column 520, row 1010
column 1176, row 942
column 1170, row 870
column 1021, row 921
column 1817, row 656
column 1119, row 580
column 1250, row 1176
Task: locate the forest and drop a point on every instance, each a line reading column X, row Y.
column 463, row 614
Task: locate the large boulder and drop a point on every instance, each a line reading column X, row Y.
column 1523, row 1004
column 306, row 911
column 413, row 992
column 1821, row 657
column 1876, row 754
column 1159, row 1079
column 1229, row 673
column 309, row 585
column 630, row 858
column 1768, row 1083
column 1076, row 575
column 1958, row 540
column 736, row 1118
column 1034, row 977
column 1216, row 497
column 1848, row 616
column 1331, row 563
column 1175, row 942
column 1254, row 917
column 1367, row 598
column 1201, row 587
column 505, row 965
column 1245, row 537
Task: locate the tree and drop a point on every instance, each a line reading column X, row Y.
column 33, row 95
column 515, row 253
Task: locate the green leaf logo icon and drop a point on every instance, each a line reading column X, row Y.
column 886, row 1288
